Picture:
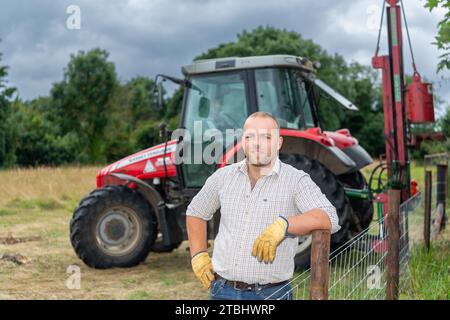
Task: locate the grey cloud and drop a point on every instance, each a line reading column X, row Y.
column 149, row 37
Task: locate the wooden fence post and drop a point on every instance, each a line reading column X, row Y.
column 427, row 213
column 320, row 253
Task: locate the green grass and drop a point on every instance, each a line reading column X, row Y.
column 40, row 204
column 428, row 277
column 7, row 212
column 429, row 274
column 139, row 295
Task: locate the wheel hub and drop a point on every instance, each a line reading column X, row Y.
column 115, row 229
column 118, row 231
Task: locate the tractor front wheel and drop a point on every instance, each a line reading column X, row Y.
column 113, row 227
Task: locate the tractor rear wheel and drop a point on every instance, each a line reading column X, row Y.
column 333, row 190
column 113, row 227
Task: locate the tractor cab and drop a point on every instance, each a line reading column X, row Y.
column 221, row 93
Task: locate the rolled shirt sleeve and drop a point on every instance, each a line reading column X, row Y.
column 308, row 196
column 206, row 202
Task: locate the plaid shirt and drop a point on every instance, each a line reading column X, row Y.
column 246, row 212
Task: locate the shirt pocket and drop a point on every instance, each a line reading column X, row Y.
column 268, row 209
column 277, row 199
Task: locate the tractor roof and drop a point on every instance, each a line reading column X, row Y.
column 237, row 63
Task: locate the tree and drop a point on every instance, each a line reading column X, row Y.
column 443, row 36
column 366, row 124
column 38, row 138
column 358, row 83
column 142, row 101
column 173, row 106
column 7, row 131
column 82, row 99
column 445, row 123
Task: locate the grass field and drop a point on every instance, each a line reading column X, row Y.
column 36, row 206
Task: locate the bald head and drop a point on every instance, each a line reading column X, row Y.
column 263, row 115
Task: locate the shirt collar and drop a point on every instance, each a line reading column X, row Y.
column 242, row 166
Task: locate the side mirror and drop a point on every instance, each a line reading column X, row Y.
column 203, row 107
column 159, row 89
column 163, row 130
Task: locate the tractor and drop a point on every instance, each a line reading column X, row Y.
column 140, row 201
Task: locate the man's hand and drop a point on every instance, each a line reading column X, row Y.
column 266, row 244
column 202, row 267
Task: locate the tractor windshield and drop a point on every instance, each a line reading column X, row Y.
column 216, row 101
column 220, row 100
column 282, row 93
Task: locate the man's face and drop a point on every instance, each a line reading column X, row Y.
column 261, row 141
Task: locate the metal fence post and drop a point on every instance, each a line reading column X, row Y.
column 393, row 239
column 427, row 213
column 320, row 253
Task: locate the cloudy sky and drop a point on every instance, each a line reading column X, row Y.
column 158, row 36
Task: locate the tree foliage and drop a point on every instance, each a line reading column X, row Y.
column 82, row 99
column 91, row 117
column 443, row 35
column 7, row 130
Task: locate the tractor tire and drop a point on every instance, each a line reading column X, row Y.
column 362, row 208
column 334, row 191
column 113, row 227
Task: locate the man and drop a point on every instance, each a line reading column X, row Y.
column 265, row 204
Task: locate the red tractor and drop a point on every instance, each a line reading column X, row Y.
column 140, row 201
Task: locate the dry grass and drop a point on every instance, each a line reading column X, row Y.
column 57, row 184
column 37, row 205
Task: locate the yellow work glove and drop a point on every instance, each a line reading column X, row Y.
column 202, row 267
column 266, row 244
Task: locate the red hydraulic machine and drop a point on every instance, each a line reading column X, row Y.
column 402, row 106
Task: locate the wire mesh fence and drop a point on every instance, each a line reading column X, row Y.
column 411, row 230
column 357, row 269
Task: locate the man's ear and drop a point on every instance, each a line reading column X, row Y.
column 280, row 143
